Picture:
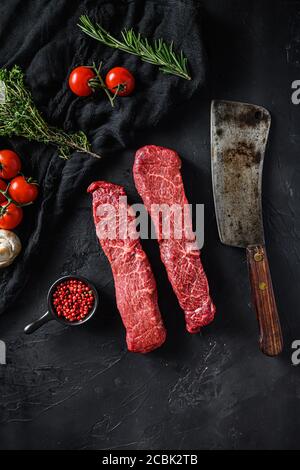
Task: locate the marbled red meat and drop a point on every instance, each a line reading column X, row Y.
column 158, row 180
column 135, row 286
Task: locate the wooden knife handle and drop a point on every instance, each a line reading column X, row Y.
column 270, row 341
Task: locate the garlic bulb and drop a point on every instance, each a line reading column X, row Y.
column 10, row 247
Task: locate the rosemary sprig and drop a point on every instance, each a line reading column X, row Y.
column 159, row 53
column 20, row 117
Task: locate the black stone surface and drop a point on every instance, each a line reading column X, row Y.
column 79, row 388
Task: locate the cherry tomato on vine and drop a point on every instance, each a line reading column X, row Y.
column 10, row 216
column 10, row 164
column 122, row 78
column 23, row 190
column 79, row 80
column 3, row 187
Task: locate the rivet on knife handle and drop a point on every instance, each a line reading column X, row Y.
column 270, row 340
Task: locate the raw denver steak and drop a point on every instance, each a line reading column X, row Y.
column 158, row 180
column 135, row 285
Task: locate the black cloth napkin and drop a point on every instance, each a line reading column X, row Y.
column 43, row 38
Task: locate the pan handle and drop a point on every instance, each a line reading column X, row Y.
column 38, row 323
column 270, row 341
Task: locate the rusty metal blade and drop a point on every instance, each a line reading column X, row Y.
column 239, row 133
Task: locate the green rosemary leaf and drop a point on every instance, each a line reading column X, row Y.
column 158, row 53
column 20, row 117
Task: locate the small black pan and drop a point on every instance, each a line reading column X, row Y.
column 51, row 315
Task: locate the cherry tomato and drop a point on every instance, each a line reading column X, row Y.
column 79, row 81
column 23, row 190
column 10, row 216
column 3, row 187
column 119, row 76
column 10, row 164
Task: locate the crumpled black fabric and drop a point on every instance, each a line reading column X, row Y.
column 42, row 37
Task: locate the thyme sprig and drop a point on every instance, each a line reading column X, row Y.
column 157, row 53
column 20, row 117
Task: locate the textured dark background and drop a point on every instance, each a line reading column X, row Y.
column 80, row 388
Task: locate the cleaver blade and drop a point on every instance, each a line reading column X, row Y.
column 239, row 134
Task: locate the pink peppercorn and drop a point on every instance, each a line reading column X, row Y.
column 73, row 300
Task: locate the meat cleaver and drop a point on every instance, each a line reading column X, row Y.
column 239, row 134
